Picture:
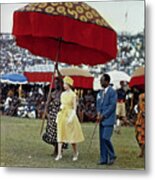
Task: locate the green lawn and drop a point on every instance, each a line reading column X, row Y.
column 22, row 146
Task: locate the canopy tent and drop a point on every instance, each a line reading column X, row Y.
column 43, row 73
column 39, row 73
column 82, row 78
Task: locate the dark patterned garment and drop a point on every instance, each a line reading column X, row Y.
column 50, row 136
column 140, row 122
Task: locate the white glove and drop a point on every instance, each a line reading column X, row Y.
column 70, row 119
column 56, row 120
column 61, row 106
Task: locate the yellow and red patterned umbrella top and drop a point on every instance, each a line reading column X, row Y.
column 86, row 36
column 76, row 10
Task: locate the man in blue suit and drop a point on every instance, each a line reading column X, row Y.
column 106, row 108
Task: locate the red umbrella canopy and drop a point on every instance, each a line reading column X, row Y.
column 86, row 38
column 138, row 78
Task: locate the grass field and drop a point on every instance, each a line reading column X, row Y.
column 22, row 146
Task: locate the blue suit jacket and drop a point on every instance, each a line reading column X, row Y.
column 106, row 106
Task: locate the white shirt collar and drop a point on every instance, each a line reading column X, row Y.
column 106, row 89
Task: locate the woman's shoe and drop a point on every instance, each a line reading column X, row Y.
column 58, row 157
column 75, row 157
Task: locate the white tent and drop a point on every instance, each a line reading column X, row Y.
column 116, row 77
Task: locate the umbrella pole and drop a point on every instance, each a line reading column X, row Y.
column 91, row 140
column 51, row 84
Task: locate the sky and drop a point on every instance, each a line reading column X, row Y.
column 121, row 15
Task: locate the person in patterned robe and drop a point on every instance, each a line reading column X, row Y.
column 140, row 124
column 50, row 135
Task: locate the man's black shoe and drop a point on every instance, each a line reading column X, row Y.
column 111, row 161
column 102, row 163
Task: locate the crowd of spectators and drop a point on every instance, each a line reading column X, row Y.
column 27, row 102
column 30, row 102
column 15, row 59
column 131, row 54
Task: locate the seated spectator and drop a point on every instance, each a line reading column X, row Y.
column 8, row 101
column 90, row 107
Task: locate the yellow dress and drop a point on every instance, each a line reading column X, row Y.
column 68, row 132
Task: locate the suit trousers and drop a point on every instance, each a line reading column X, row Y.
column 106, row 148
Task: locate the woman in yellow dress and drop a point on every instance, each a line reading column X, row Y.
column 68, row 126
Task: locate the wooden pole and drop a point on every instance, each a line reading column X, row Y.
column 91, row 140
column 51, row 84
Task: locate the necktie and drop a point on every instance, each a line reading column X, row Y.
column 103, row 93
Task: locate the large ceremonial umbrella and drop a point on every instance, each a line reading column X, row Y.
column 13, row 79
column 138, row 78
column 69, row 32
column 82, row 78
column 86, row 38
